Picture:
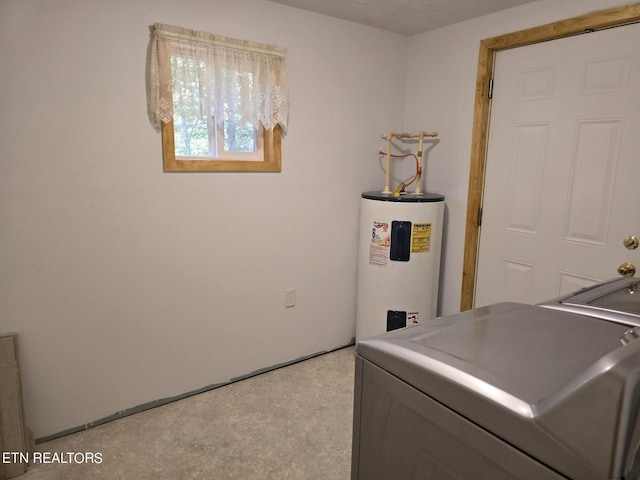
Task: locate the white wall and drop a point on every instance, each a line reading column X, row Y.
column 127, row 284
column 440, row 94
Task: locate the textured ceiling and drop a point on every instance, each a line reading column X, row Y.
column 408, row 17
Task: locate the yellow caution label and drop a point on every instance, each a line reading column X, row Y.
column 420, row 237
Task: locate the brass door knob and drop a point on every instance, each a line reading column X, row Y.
column 627, row 269
column 630, row 242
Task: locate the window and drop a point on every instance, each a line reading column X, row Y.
column 221, row 104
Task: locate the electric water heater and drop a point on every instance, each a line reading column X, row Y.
column 399, row 261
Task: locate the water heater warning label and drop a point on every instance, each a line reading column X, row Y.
column 380, row 243
column 421, row 237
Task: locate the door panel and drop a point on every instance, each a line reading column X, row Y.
column 592, row 174
column 562, row 176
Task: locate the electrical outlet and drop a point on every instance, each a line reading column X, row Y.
column 290, row 297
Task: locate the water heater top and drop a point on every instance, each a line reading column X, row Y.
column 405, row 197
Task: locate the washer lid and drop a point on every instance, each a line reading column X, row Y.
column 616, row 300
column 557, row 385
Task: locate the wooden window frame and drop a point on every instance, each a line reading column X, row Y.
column 613, row 17
column 271, row 161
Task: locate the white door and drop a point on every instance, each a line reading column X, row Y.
column 562, row 186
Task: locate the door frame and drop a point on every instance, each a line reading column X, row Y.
column 599, row 20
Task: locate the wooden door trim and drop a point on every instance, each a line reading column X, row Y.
column 488, row 48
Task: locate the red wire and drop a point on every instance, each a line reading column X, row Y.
column 405, row 185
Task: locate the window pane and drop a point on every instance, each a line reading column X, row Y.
column 190, row 119
column 239, row 138
column 239, row 128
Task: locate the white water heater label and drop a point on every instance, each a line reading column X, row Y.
column 380, row 243
column 413, row 318
column 421, row 237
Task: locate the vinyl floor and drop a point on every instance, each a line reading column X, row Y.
column 291, row 423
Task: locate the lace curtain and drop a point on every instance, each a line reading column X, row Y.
column 216, row 76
